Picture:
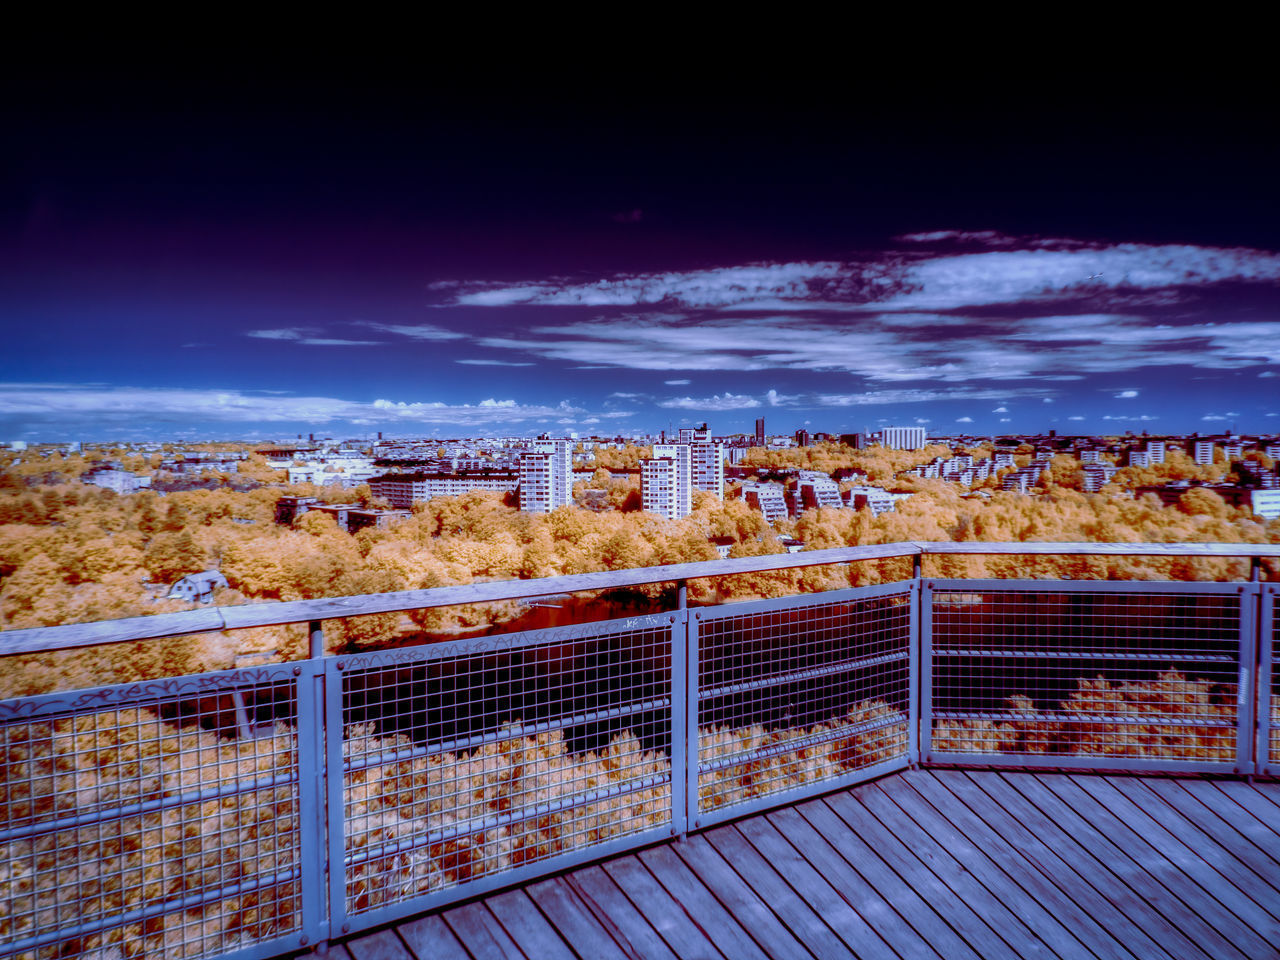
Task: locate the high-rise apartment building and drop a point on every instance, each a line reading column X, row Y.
column 700, row 434
column 546, row 477
column 903, row 438
column 707, row 467
column 664, row 481
column 1204, row 452
column 694, row 466
column 1155, row 451
column 759, row 431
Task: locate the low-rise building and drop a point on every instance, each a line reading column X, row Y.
column 197, row 587
column 769, row 498
column 402, row 490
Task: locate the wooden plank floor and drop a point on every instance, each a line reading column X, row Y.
column 940, row 864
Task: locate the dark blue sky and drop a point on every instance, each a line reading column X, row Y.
column 243, row 257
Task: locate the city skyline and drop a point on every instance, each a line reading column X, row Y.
column 438, row 267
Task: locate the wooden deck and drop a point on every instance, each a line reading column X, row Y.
column 942, row 863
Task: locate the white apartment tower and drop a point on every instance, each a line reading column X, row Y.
column 693, row 466
column 707, row 465
column 1204, row 452
column 1155, row 451
column 903, row 438
column 664, row 482
column 546, row 478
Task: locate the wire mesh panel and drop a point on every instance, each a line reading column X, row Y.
column 800, row 694
column 1268, row 748
column 1103, row 675
column 156, row 819
column 479, row 763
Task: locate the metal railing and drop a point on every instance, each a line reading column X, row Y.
column 254, row 812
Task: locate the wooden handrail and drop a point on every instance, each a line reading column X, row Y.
column 275, row 613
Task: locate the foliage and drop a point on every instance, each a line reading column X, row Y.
column 71, row 552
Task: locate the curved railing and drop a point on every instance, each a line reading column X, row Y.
column 253, row 812
column 276, row 613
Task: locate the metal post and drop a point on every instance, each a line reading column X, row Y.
column 242, row 715
column 1255, row 569
column 317, row 641
column 682, row 595
column 922, row 684
column 916, row 565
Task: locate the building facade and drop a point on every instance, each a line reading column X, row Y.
column 401, row 490
column 903, row 438
column 546, row 478
column 664, row 482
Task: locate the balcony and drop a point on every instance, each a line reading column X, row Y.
column 896, row 767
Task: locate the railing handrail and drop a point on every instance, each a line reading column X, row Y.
column 276, row 613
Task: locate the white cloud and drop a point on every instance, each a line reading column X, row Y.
column 1212, row 416
column 146, row 406
column 416, row 331
column 1000, row 410
column 1004, row 419
column 1126, row 394
column 991, row 238
column 964, row 419
column 1046, row 400
column 920, row 395
column 776, row 399
column 676, row 383
column 288, row 333
column 496, row 363
column 994, row 350
column 719, row 402
column 1042, row 271
column 1127, row 418
column 1268, row 373
column 308, row 336
column 1075, row 418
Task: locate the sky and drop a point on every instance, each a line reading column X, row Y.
column 247, row 257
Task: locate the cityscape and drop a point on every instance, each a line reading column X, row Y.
column 791, row 518
column 234, row 507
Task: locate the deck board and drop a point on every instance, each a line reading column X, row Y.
column 1039, row 905
column 922, row 864
column 792, row 911
column 1205, row 916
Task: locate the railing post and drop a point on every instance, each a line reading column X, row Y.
column 682, row 595
column 692, row 752
column 1265, row 763
column 922, row 673
column 317, row 641
column 1247, row 696
column 681, row 734
column 312, row 799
